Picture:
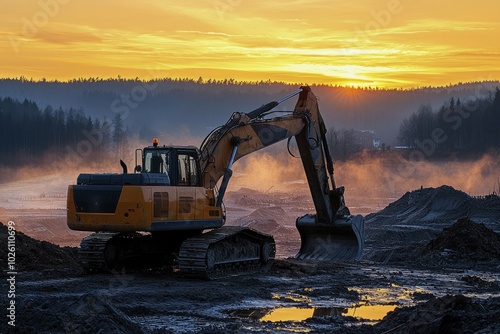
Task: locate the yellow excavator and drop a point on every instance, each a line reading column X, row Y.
column 170, row 209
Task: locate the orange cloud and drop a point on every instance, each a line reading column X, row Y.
column 387, row 43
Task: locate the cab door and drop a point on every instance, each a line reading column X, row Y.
column 191, row 197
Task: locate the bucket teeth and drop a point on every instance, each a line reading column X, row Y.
column 341, row 241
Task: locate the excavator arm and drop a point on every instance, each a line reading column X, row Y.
column 332, row 233
column 244, row 133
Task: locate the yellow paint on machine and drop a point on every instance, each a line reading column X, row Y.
column 138, row 206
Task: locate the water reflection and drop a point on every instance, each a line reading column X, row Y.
column 370, row 312
column 362, row 312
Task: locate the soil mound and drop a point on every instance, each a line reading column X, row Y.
column 417, row 228
column 466, row 240
column 448, row 314
column 434, row 205
column 246, row 197
column 267, row 220
column 274, row 220
column 32, row 254
column 465, row 244
column 427, row 204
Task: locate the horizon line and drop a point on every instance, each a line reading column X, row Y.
column 233, row 81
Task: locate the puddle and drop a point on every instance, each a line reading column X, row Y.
column 288, row 314
column 362, row 312
column 370, row 312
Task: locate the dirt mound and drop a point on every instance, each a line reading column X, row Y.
column 466, row 240
column 87, row 314
column 32, row 254
column 443, row 203
column 274, row 220
column 247, row 197
column 267, row 220
column 449, row 314
column 431, row 205
column 465, row 244
column 407, row 225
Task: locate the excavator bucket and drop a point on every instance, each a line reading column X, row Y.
column 341, row 241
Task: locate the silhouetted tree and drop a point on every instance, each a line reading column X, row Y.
column 119, row 137
column 342, row 143
column 470, row 127
column 27, row 132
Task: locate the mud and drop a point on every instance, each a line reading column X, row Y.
column 431, row 265
column 32, row 254
column 448, row 314
column 465, row 241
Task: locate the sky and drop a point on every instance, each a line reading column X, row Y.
column 366, row 43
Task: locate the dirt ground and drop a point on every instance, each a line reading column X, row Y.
column 431, row 265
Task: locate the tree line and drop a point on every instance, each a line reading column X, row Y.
column 28, row 133
column 470, row 127
column 225, row 82
column 466, row 128
column 165, row 105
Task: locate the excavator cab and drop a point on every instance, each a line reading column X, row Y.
column 180, row 163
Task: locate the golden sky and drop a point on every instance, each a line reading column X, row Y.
column 384, row 43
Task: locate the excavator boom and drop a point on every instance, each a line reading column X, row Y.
column 330, row 234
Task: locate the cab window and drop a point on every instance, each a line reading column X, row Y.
column 156, row 161
column 188, row 173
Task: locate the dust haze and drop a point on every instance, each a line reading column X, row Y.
column 368, row 174
column 382, row 175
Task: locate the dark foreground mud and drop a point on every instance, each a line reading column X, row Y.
column 429, row 267
column 292, row 297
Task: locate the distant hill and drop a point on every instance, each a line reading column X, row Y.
column 170, row 107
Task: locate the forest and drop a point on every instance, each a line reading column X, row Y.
column 29, row 135
column 470, row 128
column 107, row 113
column 172, row 108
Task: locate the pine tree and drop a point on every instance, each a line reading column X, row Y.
column 119, row 137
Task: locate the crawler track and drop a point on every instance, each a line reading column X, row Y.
column 92, row 252
column 105, row 252
column 226, row 251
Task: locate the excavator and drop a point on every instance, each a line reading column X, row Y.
column 170, row 209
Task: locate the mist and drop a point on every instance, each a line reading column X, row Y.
column 397, row 175
column 372, row 175
column 384, row 176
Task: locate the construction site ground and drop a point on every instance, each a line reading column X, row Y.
column 431, row 265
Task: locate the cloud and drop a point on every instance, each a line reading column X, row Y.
column 261, row 40
column 68, row 37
